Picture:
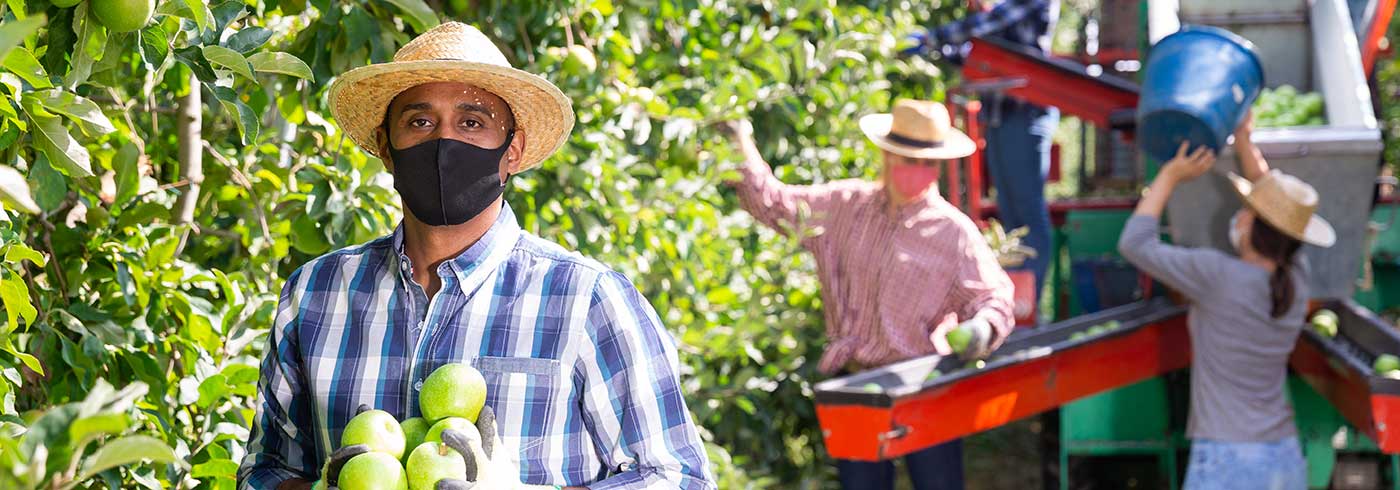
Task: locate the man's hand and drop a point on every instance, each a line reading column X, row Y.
column 1185, row 167
column 487, row 467
column 739, row 131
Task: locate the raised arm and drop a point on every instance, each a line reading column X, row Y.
column 1252, row 163
column 796, row 210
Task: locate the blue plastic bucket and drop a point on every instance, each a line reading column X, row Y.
column 1197, row 86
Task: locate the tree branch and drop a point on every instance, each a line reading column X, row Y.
column 187, row 132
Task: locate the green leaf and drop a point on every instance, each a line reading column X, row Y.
column 14, row 191
column 193, row 58
column 49, row 186
column 199, row 13
column 420, row 15
column 13, row 33
column 127, row 450
column 155, row 45
column 307, row 237
column 99, row 424
column 15, row 297
column 279, row 62
column 92, row 43
column 244, row 116
column 248, row 39
column 19, row 252
column 85, row 112
column 22, row 62
column 55, row 141
column 213, row 389
column 162, row 251
column 128, row 172
column 229, row 59
column 28, row 360
column 215, row 468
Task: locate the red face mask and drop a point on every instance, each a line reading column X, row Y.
column 911, row 181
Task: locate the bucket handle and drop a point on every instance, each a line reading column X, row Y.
column 1299, row 152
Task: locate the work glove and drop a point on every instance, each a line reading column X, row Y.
column 980, row 344
column 488, row 467
column 920, row 43
column 330, row 473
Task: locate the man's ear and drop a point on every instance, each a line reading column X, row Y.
column 381, row 137
column 512, row 163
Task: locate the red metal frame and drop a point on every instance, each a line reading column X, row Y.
column 997, row 397
column 1350, row 392
column 1052, row 82
column 1371, row 45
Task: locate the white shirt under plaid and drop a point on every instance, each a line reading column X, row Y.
column 579, row 369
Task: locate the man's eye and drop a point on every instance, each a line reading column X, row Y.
column 472, row 123
column 419, row 123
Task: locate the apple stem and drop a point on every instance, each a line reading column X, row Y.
column 442, row 450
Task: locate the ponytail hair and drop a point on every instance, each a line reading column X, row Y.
column 1280, row 249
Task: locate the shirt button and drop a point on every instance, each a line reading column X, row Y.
column 422, row 325
column 403, row 266
column 418, row 386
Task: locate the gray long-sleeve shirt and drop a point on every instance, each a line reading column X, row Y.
column 1239, row 352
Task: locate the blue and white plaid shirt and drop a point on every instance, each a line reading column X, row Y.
column 579, row 369
column 1023, row 22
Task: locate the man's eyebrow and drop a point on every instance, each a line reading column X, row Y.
column 416, row 106
column 469, row 107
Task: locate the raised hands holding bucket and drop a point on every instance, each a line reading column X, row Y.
column 1197, row 87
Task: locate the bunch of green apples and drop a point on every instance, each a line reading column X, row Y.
column 1285, row 106
column 410, row 455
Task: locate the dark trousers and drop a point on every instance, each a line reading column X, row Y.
column 936, row 468
column 1018, row 158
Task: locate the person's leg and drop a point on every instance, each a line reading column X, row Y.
column 860, row 475
column 1019, row 159
column 937, row 468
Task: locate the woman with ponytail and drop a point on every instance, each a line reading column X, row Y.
column 1246, row 311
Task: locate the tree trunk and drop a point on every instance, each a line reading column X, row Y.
column 188, row 132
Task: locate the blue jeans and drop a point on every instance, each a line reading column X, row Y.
column 936, row 468
column 1246, row 465
column 1018, row 158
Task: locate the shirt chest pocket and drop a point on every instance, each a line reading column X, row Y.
column 525, row 393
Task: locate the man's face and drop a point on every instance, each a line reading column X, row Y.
column 907, row 177
column 455, row 111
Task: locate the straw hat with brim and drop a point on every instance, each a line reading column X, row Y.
column 453, row 52
column 1288, row 204
column 917, row 129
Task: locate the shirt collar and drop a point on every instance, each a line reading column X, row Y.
column 473, row 265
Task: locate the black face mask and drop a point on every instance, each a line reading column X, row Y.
column 448, row 182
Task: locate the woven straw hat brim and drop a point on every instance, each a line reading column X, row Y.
column 361, row 96
column 955, row 144
column 1316, row 232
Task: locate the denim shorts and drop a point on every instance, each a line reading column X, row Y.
column 1246, row 465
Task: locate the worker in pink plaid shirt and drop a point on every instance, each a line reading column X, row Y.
column 900, row 266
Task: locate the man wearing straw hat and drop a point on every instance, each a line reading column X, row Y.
column 580, row 373
column 900, row 266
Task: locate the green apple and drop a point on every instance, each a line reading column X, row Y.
column 376, row 429
column 372, row 471
column 1325, row 322
column 123, row 15
column 458, row 423
column 959, row 339
column 414, row 431
column 432, row 462
column 454, row 390
column 1385, row 363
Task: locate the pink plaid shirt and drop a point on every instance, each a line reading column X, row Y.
column 890, row 277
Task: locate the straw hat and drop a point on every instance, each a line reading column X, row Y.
column 917, row 129
column 453, row 52
column 1288, row 204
